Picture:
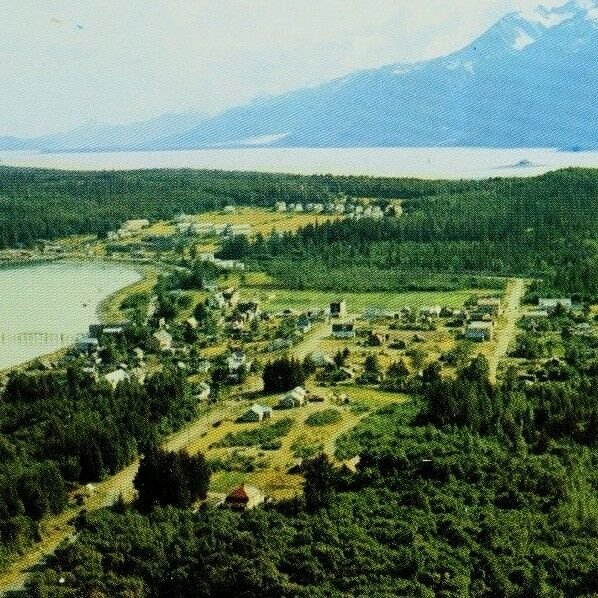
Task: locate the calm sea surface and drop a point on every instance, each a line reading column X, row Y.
column 416, row 162
column 42, row 303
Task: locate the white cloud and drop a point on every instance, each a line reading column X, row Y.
column 67, row 61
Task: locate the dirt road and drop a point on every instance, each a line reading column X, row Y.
column 56, row 529
column 507, row 327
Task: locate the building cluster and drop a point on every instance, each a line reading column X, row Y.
column 481, row 319
column 209, row 229
column 352, row 209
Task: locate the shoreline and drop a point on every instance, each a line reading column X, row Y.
column 105, row 308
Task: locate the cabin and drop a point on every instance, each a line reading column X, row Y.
column 229, row 209
column 162, row 340
column 294, row 398
column 280, row 206
column 244, row 497
column 479, row 331
column 303, row 324
column 551, row 304
column 343, row 330
column 256, row 413
column 338, row 309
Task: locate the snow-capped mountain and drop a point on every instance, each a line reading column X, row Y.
column 531, row 80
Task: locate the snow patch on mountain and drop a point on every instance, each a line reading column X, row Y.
column 548, row 19
column 523, row 40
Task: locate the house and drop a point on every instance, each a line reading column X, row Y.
column 551, row 304
column 229, row 209
column 237, row 361
column 343, row 330
column 217, row 301
column 294, row 398
column 280, row 206
column 279, row 344
column 303, row 324
column 298, row 207
column 203, row 229
column 88, row 344
column 244, row 497
column 479, row 331
column 192, row 323
column 116, row 377
column 237, row 230
column 430, row 311
column 338, row 309
column 320, row 359
column 256, row 413
column 162, row 340
column 203, row 367
column 229, row 264
column 183, row 228
column 489, row 305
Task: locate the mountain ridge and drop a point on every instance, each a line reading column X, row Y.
column 527, row 81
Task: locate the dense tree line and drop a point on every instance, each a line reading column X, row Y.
column 429, row 512
column 282, row 374
column 170, row 478
column 542, row 227
column 61, row 426
column 48, row 204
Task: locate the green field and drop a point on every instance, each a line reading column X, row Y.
column 277, row 299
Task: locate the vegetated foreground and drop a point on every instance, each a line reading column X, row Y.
column 369, row 407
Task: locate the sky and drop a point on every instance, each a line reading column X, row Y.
column 69, row 62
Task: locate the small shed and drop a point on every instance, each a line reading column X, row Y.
column 256, row 413
column 303, row 323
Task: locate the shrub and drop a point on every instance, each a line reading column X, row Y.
column 325, row 417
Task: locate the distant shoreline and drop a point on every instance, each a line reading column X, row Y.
column 407, row 162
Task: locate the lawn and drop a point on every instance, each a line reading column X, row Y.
column 275, row 480
column 279, row 299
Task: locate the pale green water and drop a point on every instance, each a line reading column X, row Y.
column 54, row 299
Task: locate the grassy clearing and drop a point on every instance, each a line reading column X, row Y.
column 263, row 220
column 279, row 299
